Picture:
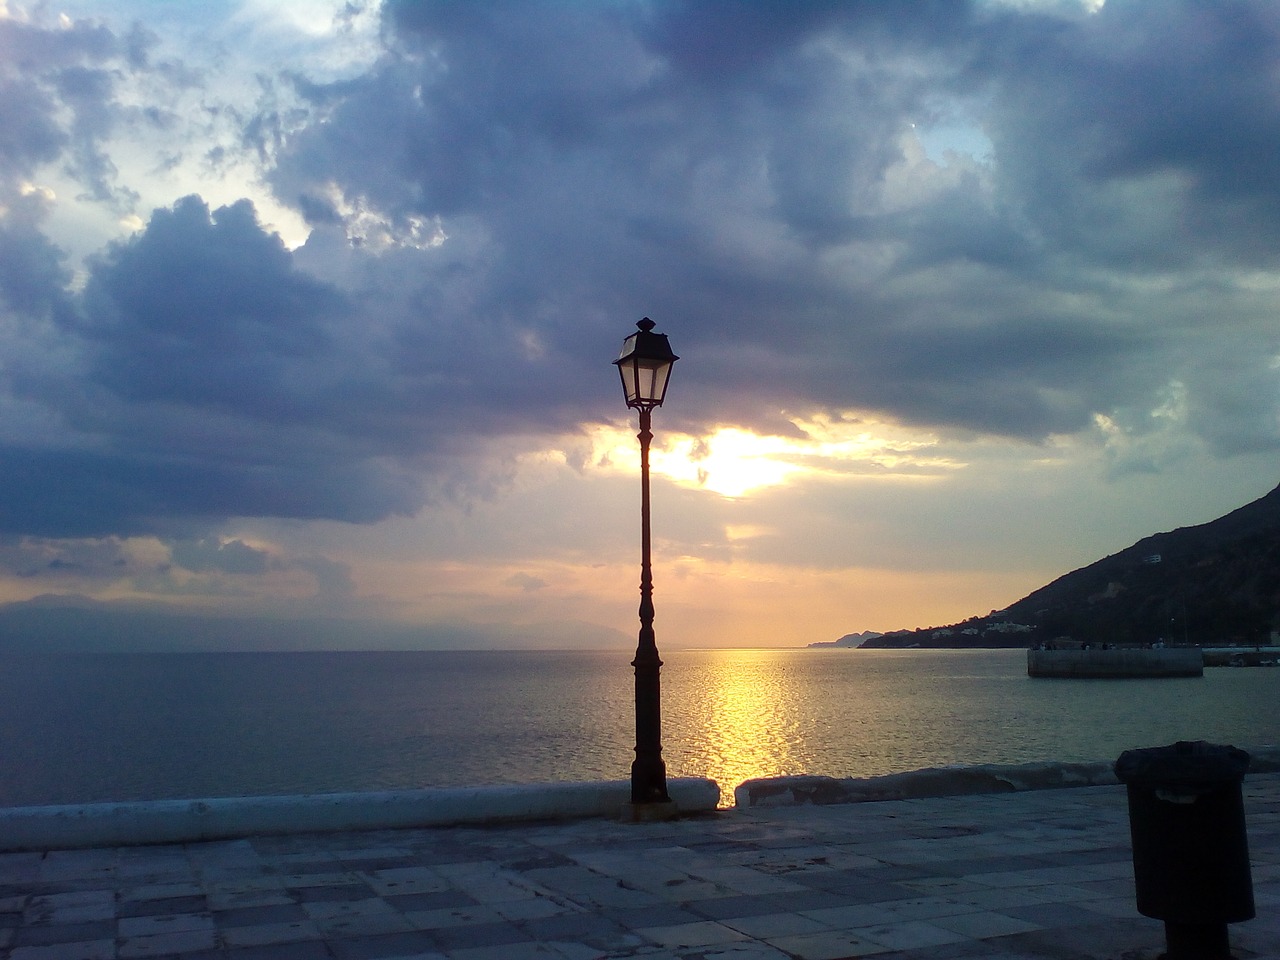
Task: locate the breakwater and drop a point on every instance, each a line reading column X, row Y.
column 1107, row 664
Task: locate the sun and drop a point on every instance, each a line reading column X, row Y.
column 730, row 462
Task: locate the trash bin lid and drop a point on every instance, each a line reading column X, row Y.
column 1187, row 762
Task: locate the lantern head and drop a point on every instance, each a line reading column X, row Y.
column 645, row 365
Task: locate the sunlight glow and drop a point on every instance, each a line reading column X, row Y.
column 734, row 462
column 730, row 462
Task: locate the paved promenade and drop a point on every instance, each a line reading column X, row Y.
column 1037, row 874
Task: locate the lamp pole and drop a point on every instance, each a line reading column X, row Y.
column 648, row 772
column 645, row 366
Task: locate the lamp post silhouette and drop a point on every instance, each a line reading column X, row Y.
column 645, row 366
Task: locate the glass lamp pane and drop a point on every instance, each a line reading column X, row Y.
column 644, row 386
column 658, row 382
column 651, row 380
column 628, row 372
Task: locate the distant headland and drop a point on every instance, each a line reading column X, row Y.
column 1214, row 584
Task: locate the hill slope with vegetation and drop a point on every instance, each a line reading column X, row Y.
column 1214, row 584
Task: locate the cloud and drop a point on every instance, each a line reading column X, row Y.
column 233, row 556
column 58, row 98
column 526, row 582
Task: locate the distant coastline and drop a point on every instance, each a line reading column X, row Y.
column 849, row 640
column 932, row 638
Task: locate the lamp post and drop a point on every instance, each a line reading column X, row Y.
column 645, row 366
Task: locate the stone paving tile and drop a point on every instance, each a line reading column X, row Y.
column 514, row 951
column 258, row 915
column 165, row 907
column 407, row 879
column 422, row 902
column 302, row 950
column 358, row 918
column 983, row 926
column 539, row 909
column 44, row 934
column 257, row 935
column 452, row 917
column 828, row 945
column 160, row 891
column 745, row 951
column 665, row 915
column 1055, row 915
column 740, row 879
column 910, row 935
column 926, row 908
column 724, row 908
column 80, row 950
column 477, row 935
column 171, row 923
column 166, row 944
column 700, row 934
column 772, row 925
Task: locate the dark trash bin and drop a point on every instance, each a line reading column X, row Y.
column 1190, row 849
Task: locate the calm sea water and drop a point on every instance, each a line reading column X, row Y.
column 82, row 728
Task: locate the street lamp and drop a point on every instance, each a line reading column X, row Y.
column 645, row 366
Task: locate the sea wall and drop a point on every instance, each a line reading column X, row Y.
column 185, row 821
column 188, row 821
column 1106, row 664
column 948, row 781
column 930, row 782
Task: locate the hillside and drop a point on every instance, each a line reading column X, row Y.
column 1213, row 584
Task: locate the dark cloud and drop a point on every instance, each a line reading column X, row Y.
column 1169, row 103
column 72, row 493
column 33, row 275
column 727, row 169
column 210, row 380
column 28, row 133
column 207, row 310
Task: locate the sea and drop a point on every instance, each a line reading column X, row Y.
column 82, row 728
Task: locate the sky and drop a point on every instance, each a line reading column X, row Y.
column 307, row 309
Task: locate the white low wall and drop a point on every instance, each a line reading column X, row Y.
column 184, row 821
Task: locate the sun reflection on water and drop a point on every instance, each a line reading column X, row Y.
column 740, row 718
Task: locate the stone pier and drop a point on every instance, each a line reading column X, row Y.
column 1104, row 664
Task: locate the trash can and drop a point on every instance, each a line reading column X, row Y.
column 1190, row 849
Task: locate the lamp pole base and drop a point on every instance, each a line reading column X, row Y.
column 655, row 812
